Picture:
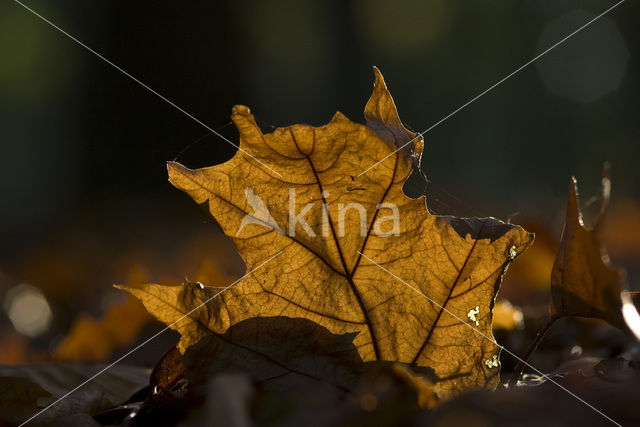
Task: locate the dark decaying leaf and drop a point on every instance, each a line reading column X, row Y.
column 19, row 397
column 583, row 282
column 278, row 353
column 609, row 385
column 168, row 371
column 163, row 402
column 32, row 387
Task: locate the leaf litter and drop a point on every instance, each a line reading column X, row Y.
column 323, row 335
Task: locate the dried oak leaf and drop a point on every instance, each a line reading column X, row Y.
column 324, row 271
column 583, row 282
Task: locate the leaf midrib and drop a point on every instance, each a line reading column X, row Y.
column 347, row 275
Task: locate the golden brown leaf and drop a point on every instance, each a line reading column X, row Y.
column 93, row 340
column 583, row 282
column 325, row 272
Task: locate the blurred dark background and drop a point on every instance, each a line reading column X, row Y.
column 85, row 200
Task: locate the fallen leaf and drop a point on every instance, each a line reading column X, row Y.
column 33, row 387
column 93, row 340
column 19, row 398
column 610, row 398
column 583, row 281
column 168, row 371
column 278, row 353
column 618, row 370
column 326, row 270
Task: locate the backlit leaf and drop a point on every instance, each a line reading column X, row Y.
column 325, row 269
column 583, row 282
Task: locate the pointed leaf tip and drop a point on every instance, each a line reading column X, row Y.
column 174, row 169
column 583, row 282
column 379, row 78
column 382, row 117
column 574, row 215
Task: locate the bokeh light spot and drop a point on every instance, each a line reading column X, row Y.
column 28, row 310
column 590, row 65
